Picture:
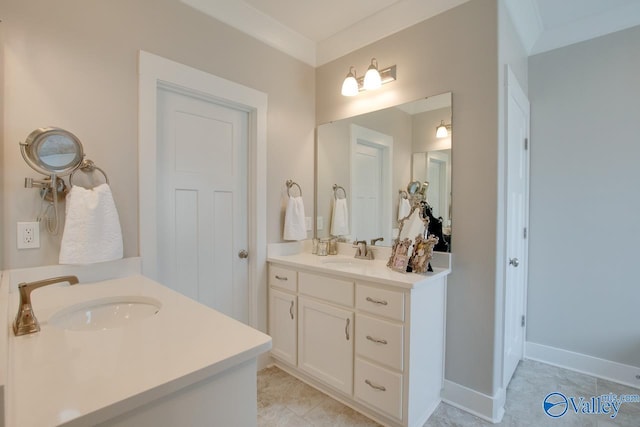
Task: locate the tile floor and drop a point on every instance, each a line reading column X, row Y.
column 284, row 401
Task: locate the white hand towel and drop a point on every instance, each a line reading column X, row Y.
column 404, row 208
column 340, row 218
column 92, row 230
column 295, row 227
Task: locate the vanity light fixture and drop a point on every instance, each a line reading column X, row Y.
column 372, row 80
column 442, row 131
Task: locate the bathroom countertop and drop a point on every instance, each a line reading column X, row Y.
column 358, row 269
column 63, row 377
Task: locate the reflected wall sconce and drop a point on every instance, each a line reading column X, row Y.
column 372, row 79
column 442, row 130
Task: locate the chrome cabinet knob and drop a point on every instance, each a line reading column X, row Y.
column 514, row 261
column 243, row 254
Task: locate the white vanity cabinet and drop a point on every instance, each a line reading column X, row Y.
column 374, row 341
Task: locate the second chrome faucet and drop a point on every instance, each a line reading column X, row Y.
column 362, row 252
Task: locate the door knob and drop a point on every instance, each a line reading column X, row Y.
column 243, row 254
column 514, row 261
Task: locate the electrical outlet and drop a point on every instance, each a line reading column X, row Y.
column 28, row 235
column 309, row 223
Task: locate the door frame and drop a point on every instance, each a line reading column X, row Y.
column 385, row 143
column 513, row 89
column 155, row 71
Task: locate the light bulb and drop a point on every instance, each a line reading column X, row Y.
column 372, row 78
column 441, row 130
column 350, row 84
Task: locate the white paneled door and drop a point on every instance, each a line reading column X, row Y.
column 516, row 227
column 371, row 160
column 367, row 191
column 202, row 200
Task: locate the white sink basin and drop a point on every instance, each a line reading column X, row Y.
column 345, row 262
column 105, row 313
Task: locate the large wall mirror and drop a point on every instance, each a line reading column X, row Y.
column 373, row 157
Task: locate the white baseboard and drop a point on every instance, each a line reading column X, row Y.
column 489, row 408
column 600, row 368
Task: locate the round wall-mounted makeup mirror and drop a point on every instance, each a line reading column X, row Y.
column 52, row 151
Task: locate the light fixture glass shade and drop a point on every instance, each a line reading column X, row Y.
column 372, row 79
column 441, row 130
column 350, row 84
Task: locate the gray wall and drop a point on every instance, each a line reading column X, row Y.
column 585, row 198
column 2, row 198
column 73, row 64
column 455, row 51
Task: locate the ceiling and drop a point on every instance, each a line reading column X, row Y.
column 317, row 32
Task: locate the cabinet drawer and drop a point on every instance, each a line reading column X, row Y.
column 326, row 288
column 382, row 302
column 284, row 278
column 379, row 340
column 379, row 388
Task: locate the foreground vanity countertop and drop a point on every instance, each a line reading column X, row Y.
column 65, row 377
column 359, row 269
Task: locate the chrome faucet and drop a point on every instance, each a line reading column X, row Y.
column 377, row 239
column 362, row 252
column 26, row 322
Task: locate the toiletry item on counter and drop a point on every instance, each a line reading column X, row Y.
column 333, row 246
column 92, row 230
column 323, row 247
column 294, row 220
column 314, row 246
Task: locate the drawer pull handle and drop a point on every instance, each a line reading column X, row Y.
column 281, row 277
column 291, row 310
column 346, row 329
column 376, row 340
column 375, row 301
column 375, row 386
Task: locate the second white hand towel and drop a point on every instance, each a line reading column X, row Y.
column 404, row 208
column 92, row 230
column 340, row 218
column 295, row 227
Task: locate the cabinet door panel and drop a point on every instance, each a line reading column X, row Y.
column 283, row 321
column 325, row 343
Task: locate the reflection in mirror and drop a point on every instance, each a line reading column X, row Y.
column 57, row 151
column 371, row 156
column 52, row 151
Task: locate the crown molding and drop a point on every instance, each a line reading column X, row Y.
column 251, row 21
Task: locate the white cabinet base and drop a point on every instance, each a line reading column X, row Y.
column 226, row 399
